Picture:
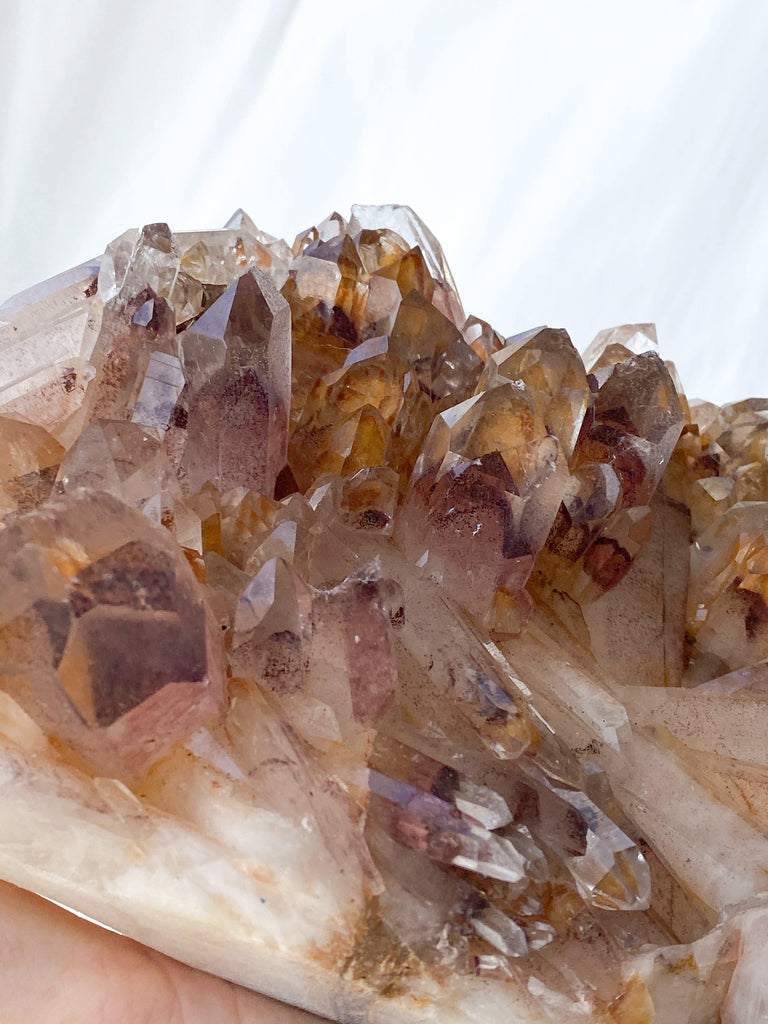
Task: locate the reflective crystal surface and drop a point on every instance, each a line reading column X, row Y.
column 362, row 654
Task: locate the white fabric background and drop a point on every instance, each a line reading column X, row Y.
column 583, row 163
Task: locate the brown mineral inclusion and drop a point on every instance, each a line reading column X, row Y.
column 364, row 656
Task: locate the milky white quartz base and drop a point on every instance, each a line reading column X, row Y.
column 90, row 845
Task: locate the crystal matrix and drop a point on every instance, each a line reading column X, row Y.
column 363, row 656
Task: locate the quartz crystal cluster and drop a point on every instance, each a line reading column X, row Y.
column 364, row 656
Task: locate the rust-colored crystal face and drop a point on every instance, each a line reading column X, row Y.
column 393, row 658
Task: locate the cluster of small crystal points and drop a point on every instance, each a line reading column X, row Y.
column 451, row 647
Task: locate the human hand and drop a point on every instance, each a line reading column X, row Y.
column 56, row 968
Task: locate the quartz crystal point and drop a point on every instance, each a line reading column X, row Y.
column 627, row 437
column 552, row 370
column 192, row 268
column 105, row 635
column 618, row 343
column 135, row 353
column 236, row 361
column 124, row 460
column 28, row 464
column 366, row 657
column 489, row 474
column 46, row 334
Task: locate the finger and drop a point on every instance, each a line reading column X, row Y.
column 56, row 968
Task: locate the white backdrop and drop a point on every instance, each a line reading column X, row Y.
column 583, row 163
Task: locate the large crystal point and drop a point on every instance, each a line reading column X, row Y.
column 489, row 474
column 404, row 222
column 422, row 338
column 135, row 353
column 45, row 335
column 237, row 364
column 106, row 609
column 546, row 361
column 609, row 870
column 627, row 438
column 29, row 460
column 618, row 343
column 124, row 460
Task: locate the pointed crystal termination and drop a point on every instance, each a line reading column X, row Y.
column 324, row 654
column 153, row 262
column 552, row 370
column 346, row 423
column 489, row 475
column 615, row 344
column 45, row 339
column 409, row 765
column 727, row 625
column 189, row 269
column 135, row 355
column 423, row 822
column 29, row 460
column 610, row 871
column 359, row 294
column 124, row 460
column 427, row 341
column 482, row 338
column 627, row 438
column 105, row 607
column 404, row 222
column 237, row 364
column 451, row 910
